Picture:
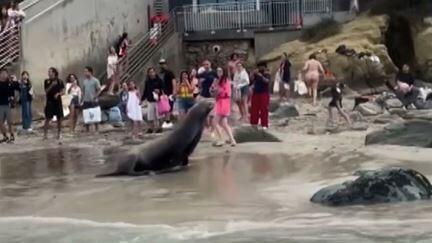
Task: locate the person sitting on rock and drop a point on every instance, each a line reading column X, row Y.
column 405, row 89
column 336, row 102
column 405, row 80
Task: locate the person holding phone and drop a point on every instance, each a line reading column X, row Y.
column 54, row 89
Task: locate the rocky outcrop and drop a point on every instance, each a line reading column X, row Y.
column 365, row 34
column 413, row 133
column 250, row 135
column 380, row 186
column 422, row 45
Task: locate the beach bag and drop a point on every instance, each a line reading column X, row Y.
column 276, row 84
column 114, row 115
column 92, row 115
column 66, row 102
column 163, row 105
column 300, row 87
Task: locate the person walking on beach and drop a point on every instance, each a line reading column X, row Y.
column 133, row 109
column 222, row 92
column 185, row 96
column 206, row 79
column 312, row 70
column 54, row 89
column 241, row 90
column 285, row 75
column 75, row 92
column 260, row 96
column 153, row 89
column 26, row 98
column 91, row 90
column 336, row 103
column 6, row 92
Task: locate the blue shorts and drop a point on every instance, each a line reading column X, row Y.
column 244, row 92
column 185, row 104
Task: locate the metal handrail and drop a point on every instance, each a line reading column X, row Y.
column 10, row 45
column 144, row 49
column 242, row 15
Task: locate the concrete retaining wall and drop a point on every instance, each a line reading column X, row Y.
column 74, row 33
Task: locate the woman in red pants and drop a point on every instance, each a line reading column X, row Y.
column 260, row 96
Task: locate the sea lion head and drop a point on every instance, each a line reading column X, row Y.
column 201, row 110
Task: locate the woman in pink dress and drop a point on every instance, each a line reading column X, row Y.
column 312, row 70
column 222, row 92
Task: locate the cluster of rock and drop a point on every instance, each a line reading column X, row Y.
column 379, row 186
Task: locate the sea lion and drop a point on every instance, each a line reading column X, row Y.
column 167, row 152
column 379, row 186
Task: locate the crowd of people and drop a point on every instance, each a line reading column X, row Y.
column 167, row 98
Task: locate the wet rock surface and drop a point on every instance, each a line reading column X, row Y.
column 250, row 134
column 379, row 186
column 370, row 109
column 285, row 111
column 414, row 133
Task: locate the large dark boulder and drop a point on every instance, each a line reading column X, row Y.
column 250, row 135
column 412, row 133
column 380, row 186
column 285, row 111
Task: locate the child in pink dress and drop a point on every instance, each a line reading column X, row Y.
column 222, row 88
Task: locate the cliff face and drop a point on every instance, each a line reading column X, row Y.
column 423, row 48
column 365, row 34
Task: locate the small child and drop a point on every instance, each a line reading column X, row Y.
column 336, row 102
column 133, row 109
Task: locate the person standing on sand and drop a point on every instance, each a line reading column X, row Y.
column 241, row 90
column 185, row 96
column 6, row 92
column 153, row 89
column 222, row 92
column 54, row 89
column 194, row 82
column 260, row 96
column 207, row 77
column 133, row 109
column 312, row 70
column 285, row 75
column 170, row 84
column 75, row 92
column 91, row 90
column 336, row 103
column 26, row 98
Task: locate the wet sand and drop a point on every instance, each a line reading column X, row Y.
column 255, row 192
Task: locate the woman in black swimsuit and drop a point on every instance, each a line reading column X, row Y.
column 336, row 103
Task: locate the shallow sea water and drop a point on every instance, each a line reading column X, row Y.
column 52, row 196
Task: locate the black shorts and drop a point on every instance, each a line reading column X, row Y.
column 75, row 101
column 335, row 103
column 53, row 108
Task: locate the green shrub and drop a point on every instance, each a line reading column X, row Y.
column 325, row 28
